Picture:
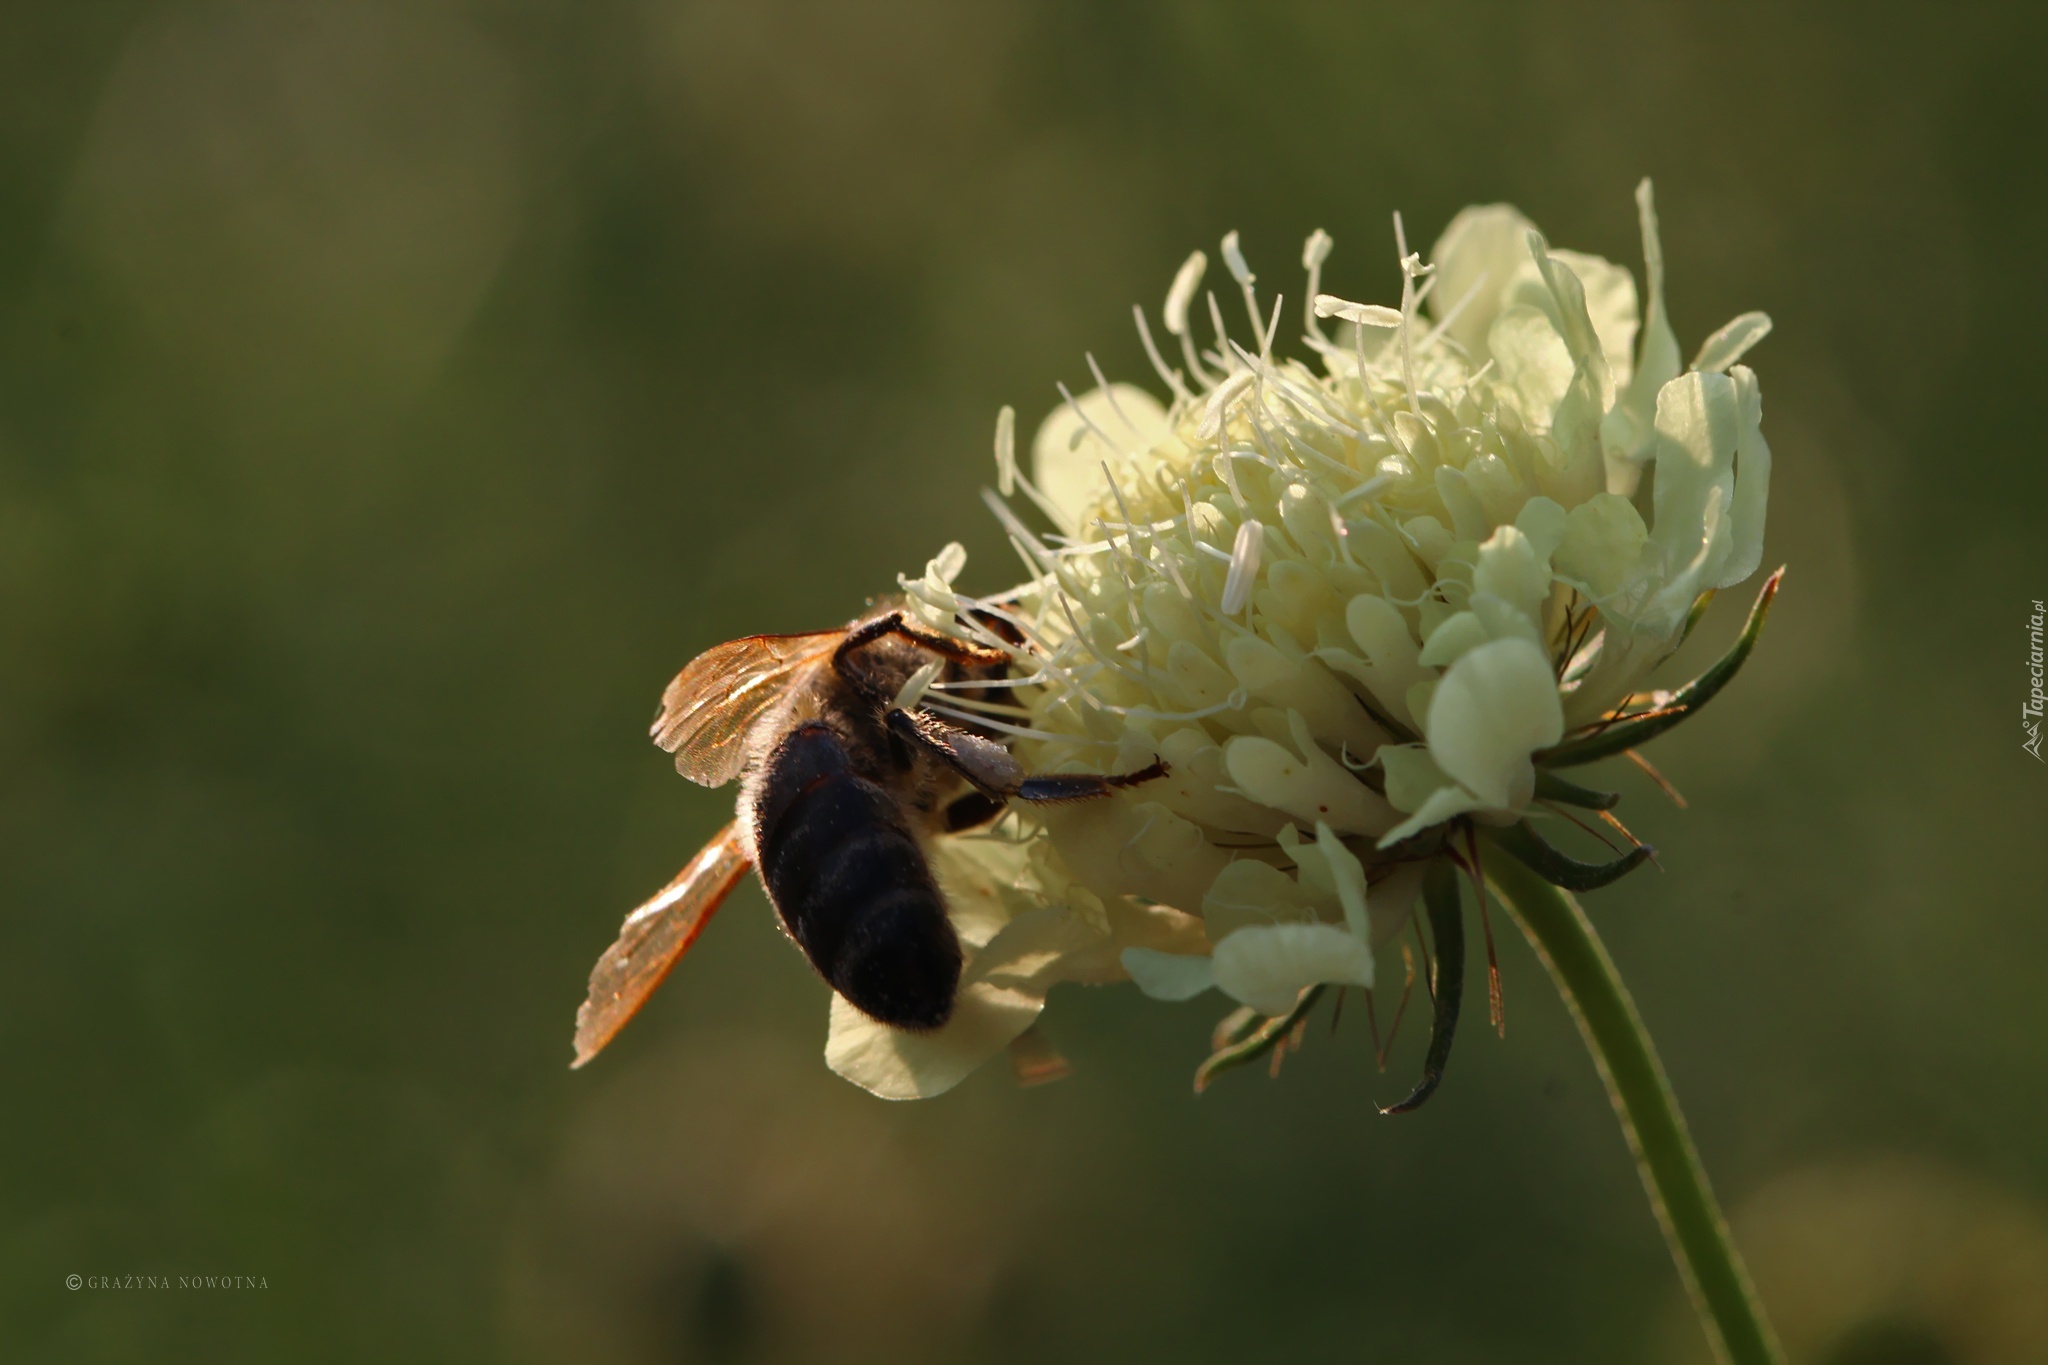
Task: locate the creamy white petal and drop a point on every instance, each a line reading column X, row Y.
column 1121, row 845
column 1510, row 569
column 1069, row 451
column 1001, row 993
column 1412, row 775
column 1731, row 342
column 1249, row 892
column 1453, row 638
column 1627, row 433
column 1268, row 967
column 1442, row 804
column 1348, row 875
column 1478, row 256
column 896, row 1065
column 1169, row 976
column 1610, row 294
column 1281, row 674
column 1493, row 708
column 1533, row 358
column 1698, row 424
column 1543, row 521
column 1309, row 784
column 1752, row 481
column 1603, row 542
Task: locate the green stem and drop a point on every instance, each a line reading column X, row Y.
column 1677, row 1185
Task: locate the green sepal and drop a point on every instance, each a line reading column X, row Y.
column 1258, row 1042
column 1627, row 734
column 1551, row 787
column 1447, row 929
column 1692, row 617
column 1534, row 852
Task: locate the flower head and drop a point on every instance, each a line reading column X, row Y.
column 1359, row 602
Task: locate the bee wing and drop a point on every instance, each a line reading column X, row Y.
column 654, row 938
column 709, row 707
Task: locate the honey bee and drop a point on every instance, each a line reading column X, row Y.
column 845, row 778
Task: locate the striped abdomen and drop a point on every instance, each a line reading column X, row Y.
column 851, row 884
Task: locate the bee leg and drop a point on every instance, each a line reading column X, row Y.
column 994, row 772
column 945, row 646
column 1085, row 786
column 988, row 767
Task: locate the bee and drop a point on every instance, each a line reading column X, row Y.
column 846, row 777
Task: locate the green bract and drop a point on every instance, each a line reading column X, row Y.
column 1356, row 601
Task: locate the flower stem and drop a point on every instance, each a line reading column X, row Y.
column 1665, row 1158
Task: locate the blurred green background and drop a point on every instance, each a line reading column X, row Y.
column 393, row 395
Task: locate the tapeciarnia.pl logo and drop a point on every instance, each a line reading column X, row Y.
column 2030, row 714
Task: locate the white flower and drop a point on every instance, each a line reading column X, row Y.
column 1352, row 603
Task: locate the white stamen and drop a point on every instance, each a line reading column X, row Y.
column 1088, row 426
column 1087, row 643
column 1027, row 542
column 1187, row 503
column 982, row 684
column 1130, row 548
column 1363, row 314
column 1364, row 490
column 1272, row 326
column 1226, row 465
column 1242, row 273
column 1130, row 526
column 1411, row 266
column 1315, row 406
column 1234, row 702
column 979, row 705
column 1006, row 451
column 913, row 690
column 1183, row 293
column 1176, row 313
column 1302, row 400
column 1167, row 561
column 1222, row 337
column 1252, row 412
column 1314, row 252
column 1443, row 323
column 1244, row 566
column 1003, row 727
column 1110, row 394
column 1226, row 393
column 1171, row 378
column 1457, row 395
column 1234, row 258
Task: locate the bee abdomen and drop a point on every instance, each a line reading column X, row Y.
column 852, row 886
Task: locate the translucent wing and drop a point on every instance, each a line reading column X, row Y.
column 709, row 707
column 654, row 938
